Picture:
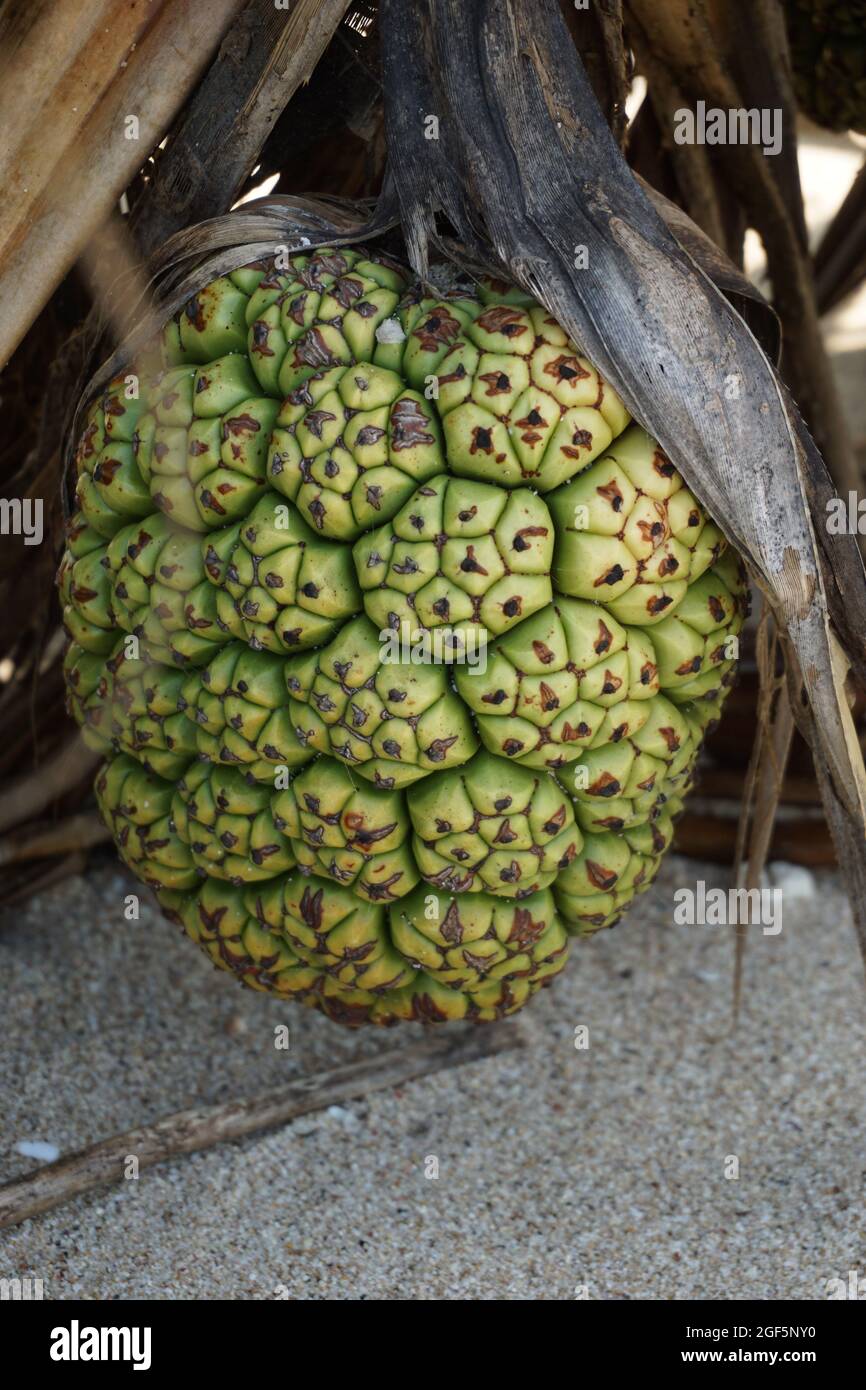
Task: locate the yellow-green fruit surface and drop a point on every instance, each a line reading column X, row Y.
column 398, row 636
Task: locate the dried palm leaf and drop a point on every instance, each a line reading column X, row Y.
column 87, row 89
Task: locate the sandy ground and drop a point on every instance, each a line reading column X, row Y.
column 562, row 1173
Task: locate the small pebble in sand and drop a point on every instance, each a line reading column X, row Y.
column 37, row 1148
